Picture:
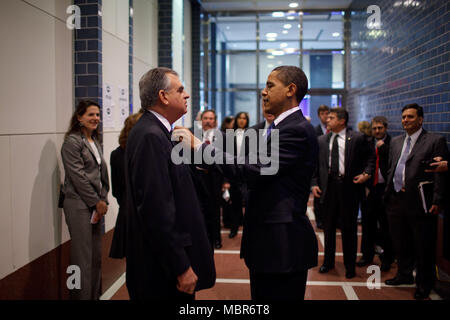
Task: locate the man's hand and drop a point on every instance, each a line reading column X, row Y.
column 380, row 143
column 435, row 209
column 186, row 137
column 226, row 185
column 361, row 178
column 316, row 191
column 187, row 281
column 101, row 207
column 440, row 166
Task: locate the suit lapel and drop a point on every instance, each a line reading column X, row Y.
column 420, row 141
column 348, row 147
column 88, row 145
column 328, row 149
column 397, row 150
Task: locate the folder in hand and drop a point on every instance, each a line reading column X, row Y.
column 426, row 191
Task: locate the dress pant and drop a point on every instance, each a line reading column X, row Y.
column 237, row 203
column 340, row 205
column 278, row 286
column 85, row 249
column 414, row 240
column 318, row 211
column 375, row 216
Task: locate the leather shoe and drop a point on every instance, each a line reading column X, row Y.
column 350, row 274
column 217, row 245
column 325, row 269
column 232, row 234
column 364, row 262
column 398, row 281
column 420, row 294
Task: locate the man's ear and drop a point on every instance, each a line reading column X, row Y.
column 292, row 89
column 163, row 97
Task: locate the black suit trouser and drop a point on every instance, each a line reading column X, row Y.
column 340, row 205
column 414, row 240
column 278, row 286
column 375, row 216
column 318, row 211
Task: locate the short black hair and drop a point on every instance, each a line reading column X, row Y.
column 322, row 108
column 341, row 113
column 418, row 108
column 209, row 110
column 295, row 75
column 380, row 119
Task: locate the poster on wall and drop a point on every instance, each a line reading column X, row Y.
column 108, row 106
column 123, row 106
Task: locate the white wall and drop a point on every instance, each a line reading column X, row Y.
column 36, row 90
column 115, row 73
column 145, row 43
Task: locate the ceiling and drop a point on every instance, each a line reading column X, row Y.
column 266, row 5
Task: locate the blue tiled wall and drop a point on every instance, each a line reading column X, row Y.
column 406, row 61
column 165, row 33
column 88, row 52
column 130, row 59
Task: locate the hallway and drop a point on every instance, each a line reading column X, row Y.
column 233, row 277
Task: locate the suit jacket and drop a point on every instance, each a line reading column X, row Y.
column 84, row 180
column 318, row 129
column 359, row 157
column 117, row 162
column 383, row 154
column 277, row 235
column 166, row 233
column 427, row 146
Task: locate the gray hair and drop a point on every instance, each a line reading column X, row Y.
column 151, row 83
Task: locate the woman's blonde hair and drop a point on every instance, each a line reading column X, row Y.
column 129, row 124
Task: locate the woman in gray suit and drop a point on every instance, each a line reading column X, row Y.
column 86, row 188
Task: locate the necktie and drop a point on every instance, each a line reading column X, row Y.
column 398, row 176
column 377, row 166
column 335, row 157
column 269, row 129
column 328, row 131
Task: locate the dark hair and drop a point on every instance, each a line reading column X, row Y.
column 341, row 113
column 209, row 110
column 151, row 83
column 80, row 110
column 128, row 125
column 236, row 120
column 418, row 108
column 322, row 108
column 295, row 75
column 226, row 121
column 380, row 119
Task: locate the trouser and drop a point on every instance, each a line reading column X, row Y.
column 278, row 286
column 85, row 250
column 414, row 241
column 339, row 207
column 376, row 216
column 318, row 212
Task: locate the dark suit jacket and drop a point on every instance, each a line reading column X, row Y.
column 359, row 157
column 277, row 235
column 383, row 153
column 167, row 231
column 319, row 131
column 427, row 146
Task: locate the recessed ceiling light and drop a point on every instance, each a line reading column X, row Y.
column 290, row 18
column 271, row 35
column 300, row 13
column 271, row 39
column 228, row 28
column 277, row 14
column 287, row 26
column 298, row 26
column 289, row 50
column 285, row 32
column 336, row 34
column 270, row 57
column 283, row 45
column 293, row 5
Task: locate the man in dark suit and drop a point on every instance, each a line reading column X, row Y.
column 211, row 181
column 321, row 129
column 168, row 253
column 413, row 230
column 376, row 211
column 278, row 241
column 346, row 162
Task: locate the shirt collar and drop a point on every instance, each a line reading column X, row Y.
column 341, row 133
column 415, row 135
column 163, row 120
column 285, row 114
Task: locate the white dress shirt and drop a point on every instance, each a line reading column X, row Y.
column 239, row 138
column 163, row 120
column 324, row 128
column 341, row 144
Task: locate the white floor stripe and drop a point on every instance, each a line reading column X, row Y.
column 227, row 251
column 247, row 281
column 228, row 231
column 337, row 233
column 350, row 293
column 114, row 288
column 434, row 296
